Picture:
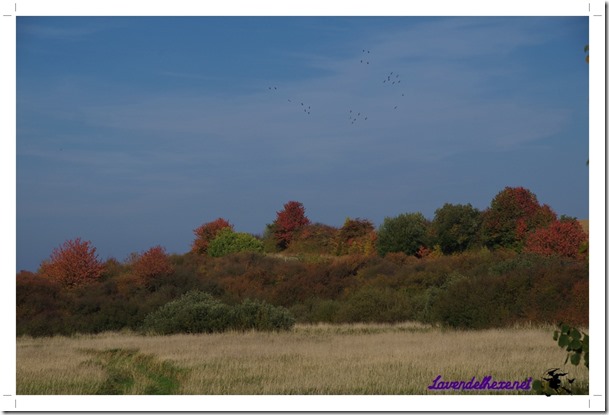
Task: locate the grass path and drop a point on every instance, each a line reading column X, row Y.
column 131, row 372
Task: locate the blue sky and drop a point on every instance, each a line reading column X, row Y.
column 133, row 131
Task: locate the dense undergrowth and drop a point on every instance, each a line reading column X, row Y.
column 474, row 289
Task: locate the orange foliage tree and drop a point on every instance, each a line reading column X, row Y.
column 152, row 263
column 206, row 232
column 72, row 264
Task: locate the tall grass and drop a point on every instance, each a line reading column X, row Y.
column 311, row 359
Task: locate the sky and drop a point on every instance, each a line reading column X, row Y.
column 133, row 131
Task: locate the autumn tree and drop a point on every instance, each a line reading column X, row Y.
column 152, row 263
column 206, row 233
column 563, row 237
column 455, row 227
column 405, row 233
column 315, row 238
column 356, row 236
column 289, row 221
column 514, row 212
column 72, row 264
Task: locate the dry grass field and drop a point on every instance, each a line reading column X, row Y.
column 311, row 359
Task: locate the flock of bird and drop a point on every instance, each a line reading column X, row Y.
column 392, row 80
column 305, row 108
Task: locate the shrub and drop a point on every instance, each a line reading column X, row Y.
column 41, row 306
column 199, row 312
column 194, row 312
column 315, row 238
column 259, row 315
column 229, row 242
column 316, row 310
column 372, row 304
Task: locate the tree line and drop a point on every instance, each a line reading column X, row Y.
column 517, row 255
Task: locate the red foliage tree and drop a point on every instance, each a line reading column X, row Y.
column 206, row 232
column 514, row 212
column 289, row 221
column 564, row 238
column 152, row 263
column 73, row 264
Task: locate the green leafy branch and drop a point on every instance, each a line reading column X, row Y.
column 576, row 344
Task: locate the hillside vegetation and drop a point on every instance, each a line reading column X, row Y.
column 514, row 262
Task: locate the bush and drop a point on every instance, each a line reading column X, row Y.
column 199, row 312
column 229, row 242
column 41, row 306
column 315, row 238
column 258, row 315
column 316, row 310
column 372, row 304
column 194, row 312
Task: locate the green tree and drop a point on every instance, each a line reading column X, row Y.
column 227, row 242
column 404, row 233
column 455, row 227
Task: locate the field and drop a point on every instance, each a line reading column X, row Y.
column 311, row 359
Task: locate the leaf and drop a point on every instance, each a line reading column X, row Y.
column 575, row 359
column 585, row 342
column 586, row 359
column 576, row 345
column 556, row 334
column 564, row 328
column 563, row 340
column 537, row 385
column 575, row 334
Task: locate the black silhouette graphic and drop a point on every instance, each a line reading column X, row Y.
column 552, row 376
